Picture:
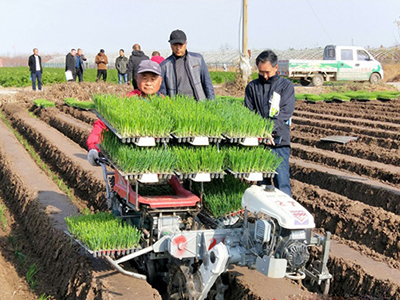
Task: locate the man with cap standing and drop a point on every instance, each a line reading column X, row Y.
column 148, row 80
column 185, row 72
column 133, row 64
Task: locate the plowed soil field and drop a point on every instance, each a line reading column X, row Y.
column 352, row 189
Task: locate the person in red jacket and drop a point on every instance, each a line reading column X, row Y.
column 149, row 81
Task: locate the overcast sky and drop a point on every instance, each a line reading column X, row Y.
column 56, row 26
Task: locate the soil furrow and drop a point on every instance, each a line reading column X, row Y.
column 349, row 130
column 352, row 186
column 340, row 110
column 51, row 247
column 344, row 120
column 82, row 115
column 371, row 141
column 357, row 149
column 386, row 173
column 56, row 151
column 352, row 220
column 74, row 129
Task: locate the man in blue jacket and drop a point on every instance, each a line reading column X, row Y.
column 185, row 73
column 272, row 97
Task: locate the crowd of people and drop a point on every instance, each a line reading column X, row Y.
column 186, row 73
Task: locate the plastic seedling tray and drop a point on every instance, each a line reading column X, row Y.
column 199, row 177
column 197, row 140
column 246, row 141
column 252, row 176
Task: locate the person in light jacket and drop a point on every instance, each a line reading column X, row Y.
column 185, row 72
column 101, row 61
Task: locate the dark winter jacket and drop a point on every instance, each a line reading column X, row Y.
column 199, row 76
column 258, row 95
column 32, row 63
column 70, row 62
column 133, row 64
column 121, row 64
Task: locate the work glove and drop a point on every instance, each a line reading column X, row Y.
column 93, row 156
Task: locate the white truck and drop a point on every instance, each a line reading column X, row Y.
column 339, row 63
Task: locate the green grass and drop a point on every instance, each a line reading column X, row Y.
column 20, row 76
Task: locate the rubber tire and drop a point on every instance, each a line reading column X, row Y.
column 304, row 82
column 375, row 78
column 318, row 80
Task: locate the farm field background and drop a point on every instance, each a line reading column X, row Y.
column 353, row 190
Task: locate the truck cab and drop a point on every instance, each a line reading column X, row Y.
column 354, row 63
column 339, row 63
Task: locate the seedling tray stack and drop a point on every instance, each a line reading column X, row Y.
column 200, row 141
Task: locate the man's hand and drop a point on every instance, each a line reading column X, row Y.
column 270, row 142
column 93, row 156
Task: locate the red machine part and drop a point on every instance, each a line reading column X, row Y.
column 183, row 198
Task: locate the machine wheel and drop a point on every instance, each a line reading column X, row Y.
column 317, row 80
column 374, row 78
column 304, row 82
column 182, row 283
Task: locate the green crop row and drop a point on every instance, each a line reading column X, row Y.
column 20, row 76
column 79, row 104
column 350, row 95
column 161, row 116
column 187, row 159
column 43, row 103
column 103, row 231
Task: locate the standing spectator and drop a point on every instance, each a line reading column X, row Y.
column 70, row 63
column 121, row 64
column 35, row 67
column 101, row 61
column 272, row 97
column 133, row 64
column 185, row 72
column 156, row 56
column 80, row 66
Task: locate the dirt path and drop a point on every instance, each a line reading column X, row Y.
column 352, row 190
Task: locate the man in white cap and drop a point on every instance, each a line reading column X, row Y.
column 185, row 72
column 148, row 80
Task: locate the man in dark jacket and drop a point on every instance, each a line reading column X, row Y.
column 121, row 64
column 70, row 63
column 273, row 97
column 80, row 66
column 35, row 67
column 184, row 72
column 133, row 64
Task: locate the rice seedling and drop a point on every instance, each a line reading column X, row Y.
column 180, row 116
column 251, row 159
column 103, row 231
column 224, row 196
column 137, row 160
column 387, row 95
column 3, row 218
column 314, row 98
column 300, row 96
column 340, row 97
column 79, row 104
column 44, row 103
column 198, row 159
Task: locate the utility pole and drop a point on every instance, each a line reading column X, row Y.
column 244, row 64
column 244, row 26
